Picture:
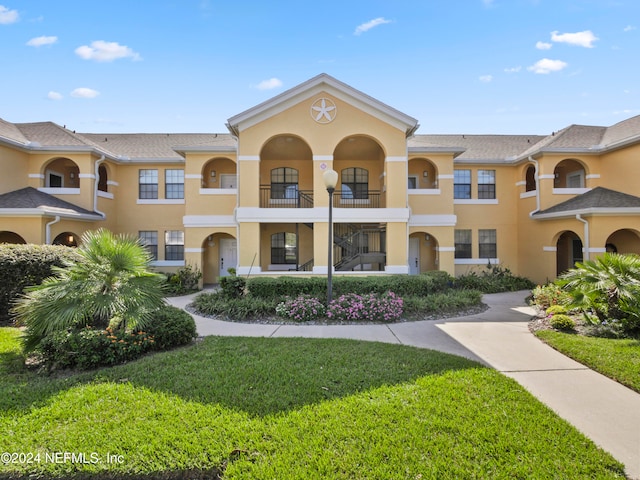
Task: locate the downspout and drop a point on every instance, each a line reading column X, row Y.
column 95, row 187
column 537, row 180
column 47, row 238
column 586, row 235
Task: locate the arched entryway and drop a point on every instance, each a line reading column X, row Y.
column 11, row 237
column 61, row 173
column 623, row 241
column 568, row 251
column 68, row 239
column 423, row 253
column 569, row 173
column 219, row 255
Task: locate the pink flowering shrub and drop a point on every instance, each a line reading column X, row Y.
column 302, row 308
column 372, row 307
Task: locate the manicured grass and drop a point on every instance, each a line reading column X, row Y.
column 618, row 359
column 293, row 408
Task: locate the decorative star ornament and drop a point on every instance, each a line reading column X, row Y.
column 323, row 110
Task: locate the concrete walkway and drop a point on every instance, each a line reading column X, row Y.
column 605, row 411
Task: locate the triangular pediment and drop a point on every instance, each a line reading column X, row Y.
column 315, row 86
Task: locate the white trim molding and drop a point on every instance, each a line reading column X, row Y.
column 549, row 249
column 547, row 176
column 105, row 194
column 475, row 201
column 160, row 201
column 397, row 269
column 520, row 183
column 446, row 249
column 592, row 175
column 193, row 250
column 529, row 194
column 570, row 191
column 218, row 191
column 597, row 250
column 445, row 176
column 167, row 263
column 111, row 182
column 59, row 191
column 476, row 261
column 193, row 176
column 253, row 270
column 86, row 175
column 210, row 221
column 393, row 158
column 323, row 158
column 36, row 175
column 433, row 221
column 248, row 158
column 424, row 191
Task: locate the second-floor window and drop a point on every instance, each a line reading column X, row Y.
column 174, row 183
column 284, row 183
column 462, row 184
column 148, row 184
column 462, row 243
column 355, row 183
column 486, row 184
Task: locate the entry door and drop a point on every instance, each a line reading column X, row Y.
column 414, row 255
column 228, row 255
column 228, row 181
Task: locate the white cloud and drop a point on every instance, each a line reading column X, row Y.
column 8, row 16
column 543, row 45
column 580, row 39
column 360, row 29
column 485, row 78
column 488, row 3
column 269, row 84
column 513, row 69
column 40, row 41
column 54, row 96
column 102, row 51
column 628, row 28
column 546, row 66
column 84, row 92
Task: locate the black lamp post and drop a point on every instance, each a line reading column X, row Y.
column 330, row 178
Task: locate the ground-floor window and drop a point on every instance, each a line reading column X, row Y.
column 174, row 245
column 487, row 244
column 462, row 243
column 283, row 248
column 149, row 239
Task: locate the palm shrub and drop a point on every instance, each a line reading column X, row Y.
column 606, row 290
column 110, row 286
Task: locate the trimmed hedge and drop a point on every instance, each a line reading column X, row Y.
column 25, row 265
column 401, row 285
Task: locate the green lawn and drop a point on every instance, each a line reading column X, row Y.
column 618, row 359
column 290, row 408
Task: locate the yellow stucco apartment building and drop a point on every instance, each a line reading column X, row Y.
column 254, row 199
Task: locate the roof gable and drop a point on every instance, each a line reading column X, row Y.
column 30, row 201
column 598, row 200
column 314, row 86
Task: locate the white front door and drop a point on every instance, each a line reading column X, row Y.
column 228, row 181
column 414, row 255
column 228, row 255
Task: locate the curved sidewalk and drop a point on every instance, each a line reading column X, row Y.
column 605, row 411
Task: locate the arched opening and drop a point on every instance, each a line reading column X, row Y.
column 360, row 161
column 11, row 237
column 530, row 179
column 623, row 241
column 423, row 253
column 219, row 257
column 423, row 174
column 568, row 251
column 61, row 173
column 219, row 172
column 67, row 239
column 286, row 173
column 569, row 173
column 103, row 178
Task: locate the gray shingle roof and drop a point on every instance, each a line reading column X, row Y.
column 598, row 198
column 30, row 198
column 626, row 129
column 11, row 132
column 478, row 147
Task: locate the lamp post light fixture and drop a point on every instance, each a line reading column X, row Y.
column 330, row 178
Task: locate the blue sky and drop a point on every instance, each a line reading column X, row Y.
column 463, row 66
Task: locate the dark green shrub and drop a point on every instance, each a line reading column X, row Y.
column 26, row 265
column 243, row 308
column 556, row 309
column 185, row 280
column 437, row 303
column 493, row 279
column 562, row 322
column 88, row 348
column 171, row 327
column 233, row 286
column 545, row 296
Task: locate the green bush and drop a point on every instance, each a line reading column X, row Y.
column 233, row 286
column 243, row 308
column 88, row 348
column 26, row 265
column 545, row 296
column 556, row 309
column 562, row 322
column 185, row 280
column 171, row 327
column 493, row 279
column 452, row 301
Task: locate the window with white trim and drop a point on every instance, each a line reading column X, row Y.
column 148, row 184
column 462, row 184
column 283, row 248
column 486, row 184
column 149, row 239
column 174, row 183
column 174, row 245
column 487, row 243
column 462, row 243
